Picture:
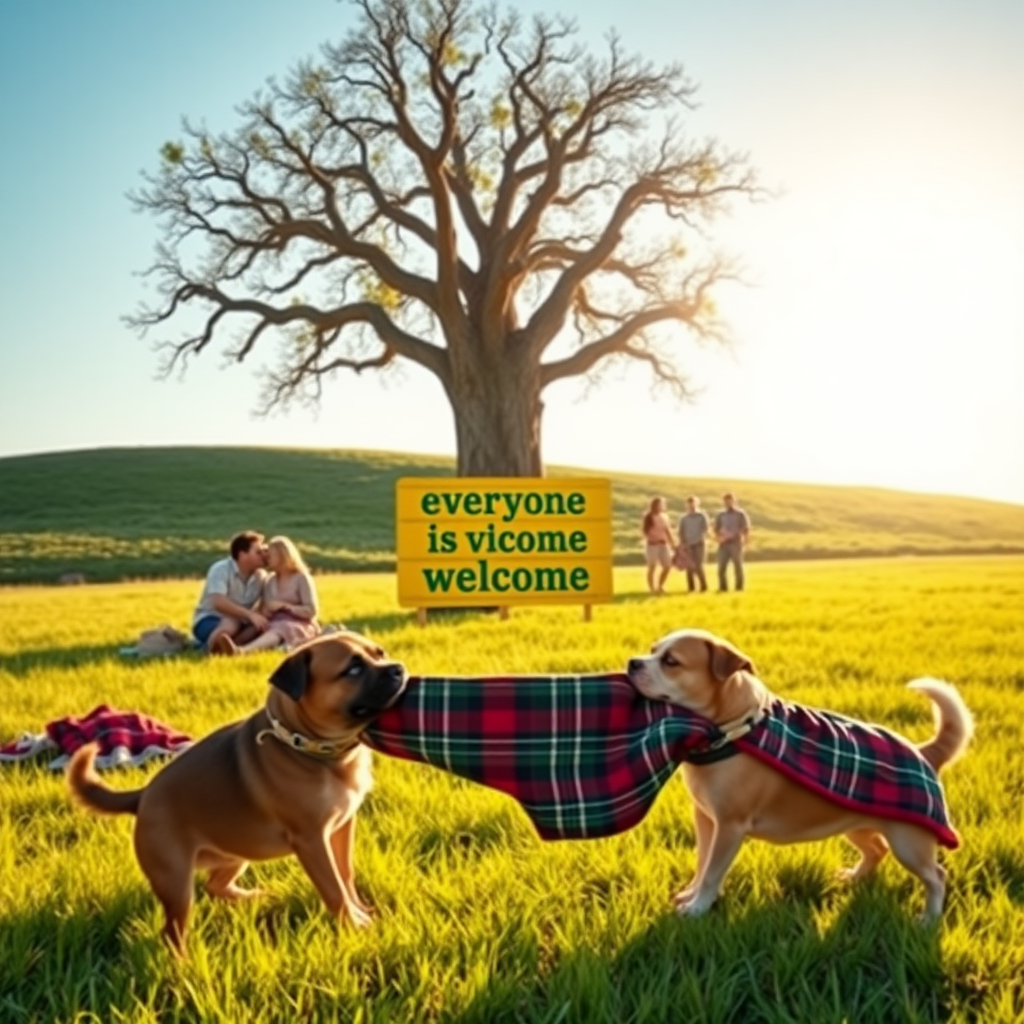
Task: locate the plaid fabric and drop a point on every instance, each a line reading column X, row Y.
column 125, row 738
column 856, row 765
column 585, row 755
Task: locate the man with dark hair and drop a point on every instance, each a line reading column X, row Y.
column 232, row 592
column 732, row 529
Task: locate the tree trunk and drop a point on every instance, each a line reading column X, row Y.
column 497, row 424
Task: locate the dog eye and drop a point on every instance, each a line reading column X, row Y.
column 355, row 667
column 669, row 659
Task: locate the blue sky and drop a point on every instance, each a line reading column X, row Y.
column 881, row 341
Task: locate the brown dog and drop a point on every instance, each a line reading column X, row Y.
column 288, row 780
column 740, row 796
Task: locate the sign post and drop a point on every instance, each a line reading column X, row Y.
column 503, row 541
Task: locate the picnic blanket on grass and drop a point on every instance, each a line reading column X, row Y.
column 587, row 755
column 126, row 739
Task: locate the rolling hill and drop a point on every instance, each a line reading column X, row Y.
column 122, row 513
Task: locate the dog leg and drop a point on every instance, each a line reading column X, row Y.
column 343, row 844
column 704, row 827
column 169, row 870
column 915, row 849
column 220, row 882
column 873, row 848
column 726, row 840
column 317, row 857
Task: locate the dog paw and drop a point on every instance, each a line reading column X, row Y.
column 234, row 893
column 686, row 894
column 695, row 905
column 355, row 900
column 358, row 917
column 854, row 874
column 248, row 894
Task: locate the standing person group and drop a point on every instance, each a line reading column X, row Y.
column 689, row 543
column 244, row 607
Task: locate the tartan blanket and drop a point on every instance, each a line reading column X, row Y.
column 126, row 738
column 586, row 756
column 856, row 765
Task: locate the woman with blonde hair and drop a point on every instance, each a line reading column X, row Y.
column 289, row 602
column 657, row 531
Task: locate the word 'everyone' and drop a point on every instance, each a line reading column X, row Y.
column 507, row 504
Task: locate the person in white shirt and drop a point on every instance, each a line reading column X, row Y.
column 289, row 602
column 229, row 603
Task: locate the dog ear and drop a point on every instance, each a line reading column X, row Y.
column 292, row 675
column 725, row 660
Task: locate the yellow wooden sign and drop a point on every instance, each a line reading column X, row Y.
column 503, row 541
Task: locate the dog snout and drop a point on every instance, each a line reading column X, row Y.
column 387, row 686
column 635, row 666
column 393, row 679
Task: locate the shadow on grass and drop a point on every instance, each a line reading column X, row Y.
column 64, row 962
column 369, row 624
column 876, row 965
column 772, row 962
column 455, row 616
column 26, row 662
column 49, row 658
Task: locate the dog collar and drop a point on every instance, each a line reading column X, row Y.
column 328, row 750
column 722, row 746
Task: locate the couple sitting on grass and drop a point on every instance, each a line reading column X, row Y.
column 245, row 608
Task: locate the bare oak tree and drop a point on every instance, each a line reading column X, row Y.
column 451, row 186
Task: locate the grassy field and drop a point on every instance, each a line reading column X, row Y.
column 134, row 513
column 480, row 921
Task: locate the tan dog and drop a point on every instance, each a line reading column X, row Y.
column 288, row 780
column 740, row 796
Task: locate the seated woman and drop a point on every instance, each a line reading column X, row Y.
column 289, row 603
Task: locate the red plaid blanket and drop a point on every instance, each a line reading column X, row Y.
column 587, row 755
column 125, row 738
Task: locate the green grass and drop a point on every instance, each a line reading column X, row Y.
column 480, row 921
column 131, row 513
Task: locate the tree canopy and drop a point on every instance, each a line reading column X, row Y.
column 455, row 186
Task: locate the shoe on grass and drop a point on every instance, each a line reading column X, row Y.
column 223, row 644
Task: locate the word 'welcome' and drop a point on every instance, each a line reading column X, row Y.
column 485, row 580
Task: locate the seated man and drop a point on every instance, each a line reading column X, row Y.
column 233, row 589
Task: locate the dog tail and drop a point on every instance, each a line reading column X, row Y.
column 953, row 720
column 86, row 787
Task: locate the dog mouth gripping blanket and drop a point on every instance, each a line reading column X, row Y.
column 587, row 755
